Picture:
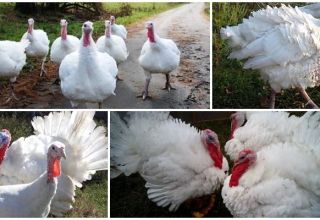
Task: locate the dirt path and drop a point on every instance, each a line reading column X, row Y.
column 188, row 27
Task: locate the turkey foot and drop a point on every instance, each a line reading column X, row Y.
column 12, row 95
column 205, row 210
column 144, row 95
column 272, row 100
column 43, row 72
column 168, row 85
column 305, row 95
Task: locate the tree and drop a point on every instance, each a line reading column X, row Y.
column 90, row 9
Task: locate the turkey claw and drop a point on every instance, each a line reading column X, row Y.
column 42, row 73
column 144, row 96
column 168, row 87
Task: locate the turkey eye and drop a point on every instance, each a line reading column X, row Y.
column 210, row 138
column 53, row 148
column 84, row 25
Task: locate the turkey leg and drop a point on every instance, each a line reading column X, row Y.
column 168, row 85
column 42, row 67
column 307, row 98
column 12, row 95
column 145, row 94
column 272, row 99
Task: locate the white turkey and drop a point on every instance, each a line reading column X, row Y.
column 12, row 60
column 33, row 199
column 113, row 45
column 118, row 29
column 177, row 161
column 39, row 43
column 158, row 55
column 63, row 45
column 85, row 147
column 257, row 130
column 88, row 75
column 283, row 44
column 282, row 180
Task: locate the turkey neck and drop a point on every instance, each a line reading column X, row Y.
column 64, row 32
column 108, row 31
column 237, row 171
column 86, row 39
column 3, row 151
column 234, row 126
column 54, row 169
column 30, row 29
column 151, row 35
column 216, row 155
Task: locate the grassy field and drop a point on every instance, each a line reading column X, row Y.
column 234, row 87
column 91, row 199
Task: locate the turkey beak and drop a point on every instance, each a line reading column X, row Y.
column 252, row 157
column 63, row 153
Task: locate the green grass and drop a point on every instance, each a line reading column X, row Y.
column 139, row 10
column 14, row 24
column 234, row 87
column 91, row 200
column 207, row 8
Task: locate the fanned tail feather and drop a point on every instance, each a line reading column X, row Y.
column 126, row 158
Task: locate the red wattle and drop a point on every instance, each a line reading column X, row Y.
column 3, row 151
column 30, row 30
column 86, row 40
column 237, row 171
column 64, row 33
column 151, row 35
column 56, row 168
column 216, row 155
